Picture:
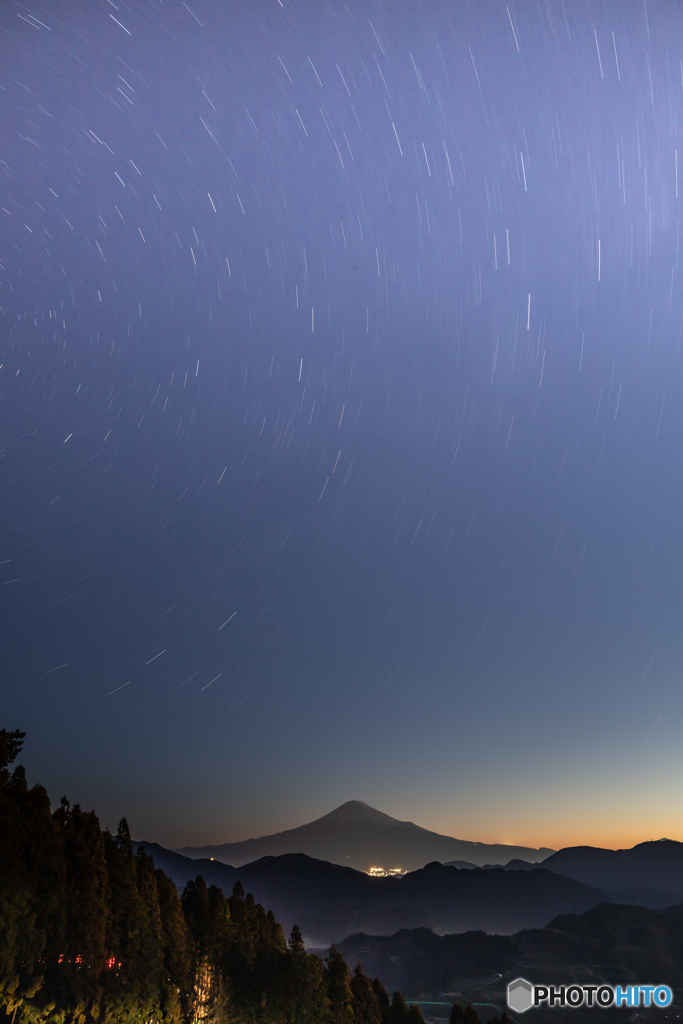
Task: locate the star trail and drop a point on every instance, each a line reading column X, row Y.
column 340, row 412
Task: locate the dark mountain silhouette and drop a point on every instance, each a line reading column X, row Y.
column 182, row 869
column 516, row 864
column 329, row 901
column 359, row 836
column 428, row 963
column 640, row 942
column 610, row 943
column 653, row 865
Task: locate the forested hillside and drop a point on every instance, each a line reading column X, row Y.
column 91, row 931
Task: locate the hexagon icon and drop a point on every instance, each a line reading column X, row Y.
column 520, row 995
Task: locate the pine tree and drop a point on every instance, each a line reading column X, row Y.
column 399, row 1009
column 150, row 946
column 503, row 1019
column 383, row 1000
column 10, row 748
column 32, row 886
column 296, row 942
column 237, row 960
column 297, row 990
column 84, row 949
column 457, row 1014
column 200, row 915
column 470, row 1015
column 126, row 989
column 339, row 987
column 273, row 934
column 177, row 953
column 366, row 1008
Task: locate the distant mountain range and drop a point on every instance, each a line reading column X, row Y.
column 330, row 902
column 358, row 836
column 653, row 865
column 647, row 867
column 607, row 944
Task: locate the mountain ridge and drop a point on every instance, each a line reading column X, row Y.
column 656, row 863
column 359, row 836
column 331, row 901
column 607, row 943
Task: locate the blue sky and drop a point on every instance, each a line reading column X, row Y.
column 341, row 390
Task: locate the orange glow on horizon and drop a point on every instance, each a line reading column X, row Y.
column 619, row 834
column 621, row 840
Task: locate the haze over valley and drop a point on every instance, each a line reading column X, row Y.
column 325, row 877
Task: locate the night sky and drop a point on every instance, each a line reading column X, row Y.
column 341, row 412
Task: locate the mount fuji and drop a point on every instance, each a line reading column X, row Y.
column 359, row 836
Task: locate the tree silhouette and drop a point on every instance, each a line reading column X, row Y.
column 91, row 931
column 470, row 1015
column 383, row 1000
column 10, row 747
column 366, row 1009
column 339, row 987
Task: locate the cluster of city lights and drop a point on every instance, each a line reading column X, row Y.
column 377, row 872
